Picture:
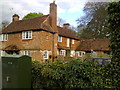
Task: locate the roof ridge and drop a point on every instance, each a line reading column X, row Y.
column 32, row 18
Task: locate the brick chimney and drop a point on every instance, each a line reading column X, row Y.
column 15, row 17
column 66, row 26
column 53, row 16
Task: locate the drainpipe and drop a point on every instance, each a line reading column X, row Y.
column 53, row 45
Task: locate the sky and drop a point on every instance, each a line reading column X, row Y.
column 68, row 10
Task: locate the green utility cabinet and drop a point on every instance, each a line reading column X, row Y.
column 15, row 71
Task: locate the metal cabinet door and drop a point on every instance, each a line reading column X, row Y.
column 9, row 75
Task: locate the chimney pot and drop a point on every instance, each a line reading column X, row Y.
column 66, row 26
column 15, row 17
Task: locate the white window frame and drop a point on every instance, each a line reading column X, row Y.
column 59, row 38
column 82, row 53
column 3, row 37
column 2, row 53
column 46, row 55
column 62, row 52
column 68, row 42
column 72, row 53
column 27, row 52
column 73, row 41
column 47, row 37
column 26, row 35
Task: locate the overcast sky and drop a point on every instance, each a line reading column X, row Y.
column 68, row 10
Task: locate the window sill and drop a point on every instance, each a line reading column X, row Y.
column 27, row 39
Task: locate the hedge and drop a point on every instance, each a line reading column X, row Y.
column 74, row 74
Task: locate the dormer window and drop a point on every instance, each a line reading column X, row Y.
column 3, row 37
column 27, row 35
column 59, row 38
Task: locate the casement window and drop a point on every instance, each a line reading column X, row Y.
column 47, row 37
column 73, row 41
column 59, row 38
column 45, row 54
column 26, row 52
column 72, row 53
column 62, row 52
column 3, row 37
column 68, row 42
column 27, row 35
column 2, row 53
column 81, row 53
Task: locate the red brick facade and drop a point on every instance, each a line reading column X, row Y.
column 44, row 42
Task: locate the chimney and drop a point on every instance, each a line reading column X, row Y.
column 15, row 17
column 66, row 26
column 53, row 16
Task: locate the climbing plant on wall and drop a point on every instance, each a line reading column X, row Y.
column 114, row 25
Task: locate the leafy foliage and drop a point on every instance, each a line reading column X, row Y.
column 3, row 24
column 74, row 74
column 32, row 15
column 114, row 25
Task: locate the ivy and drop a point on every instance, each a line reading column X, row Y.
column 114, row 25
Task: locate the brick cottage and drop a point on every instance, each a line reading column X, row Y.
column 40, row 38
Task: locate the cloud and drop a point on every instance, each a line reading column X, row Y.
column 23, row 7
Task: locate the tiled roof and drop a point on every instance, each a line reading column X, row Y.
column 35, row 24
column 95, row 45
column 66, row 33
column 28, row 24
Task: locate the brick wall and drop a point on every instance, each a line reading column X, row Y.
column 72, row 46
column 35, row 45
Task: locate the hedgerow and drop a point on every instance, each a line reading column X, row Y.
column 114, row 25
column 74, row 74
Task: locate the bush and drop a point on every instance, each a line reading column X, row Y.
column 114, row 25
column 74, row 74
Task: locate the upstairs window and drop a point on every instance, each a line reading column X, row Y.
column 73, row 41
column 47, row 37
column 3, row 37
column 59, row 38
column 68, row 42
column 27, row 35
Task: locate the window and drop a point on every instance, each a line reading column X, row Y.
column 2, row 53
column 59, row 38
column 68, row 42
column 81, row 53
column 73, row 41
column 27, row 53
column 62, row 52
column 3, row 37
column 45, row 55
column 72, row 53
column 27, row 35
column 46, row 37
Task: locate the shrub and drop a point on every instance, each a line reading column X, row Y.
column 114, row 25
column 74, row 74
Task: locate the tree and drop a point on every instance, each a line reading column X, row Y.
column 114, row 25
column 32, row 15
column 60, row 22
column 3, row 24
column 94, row 24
